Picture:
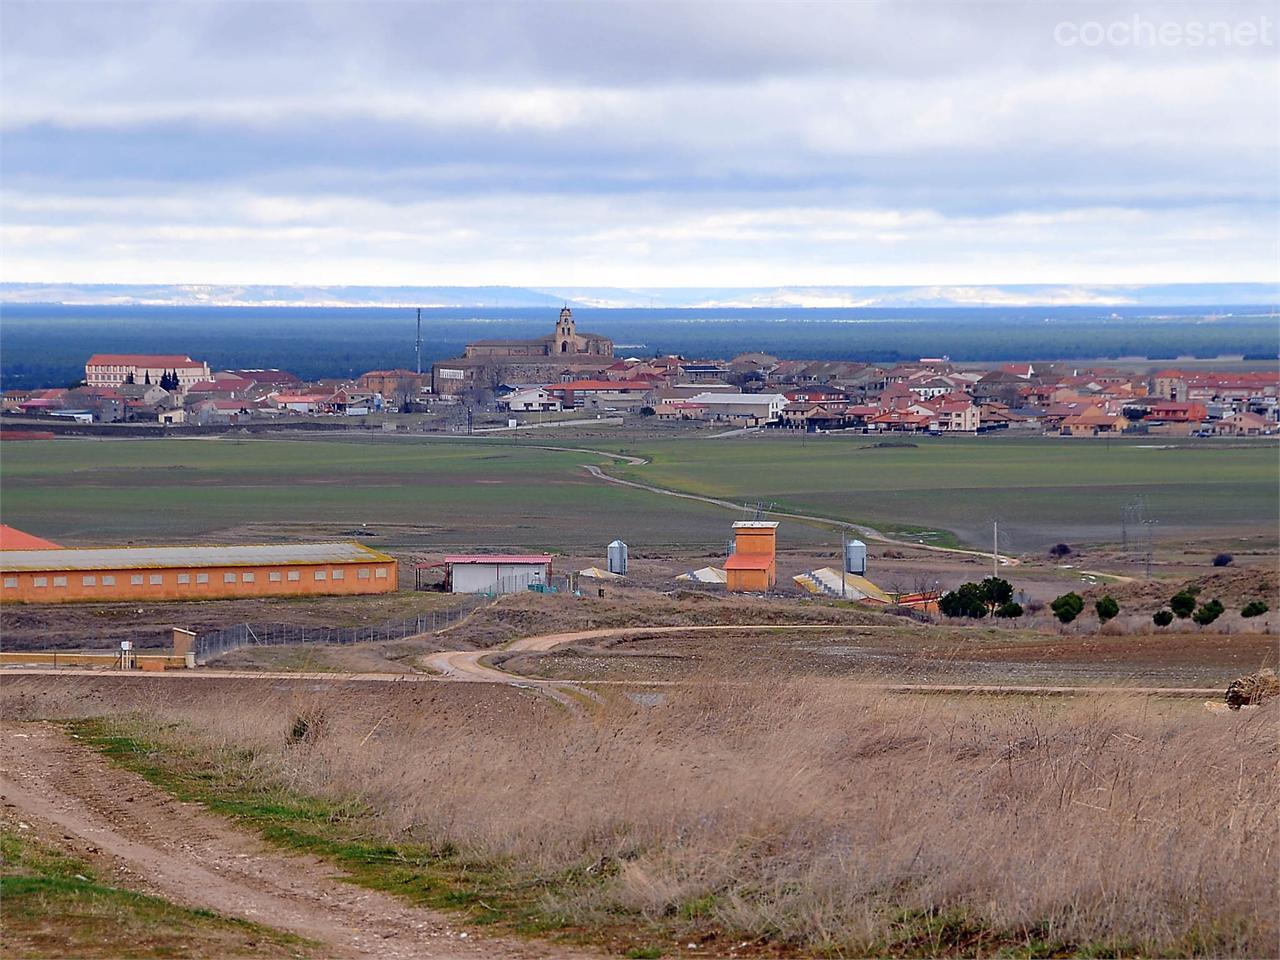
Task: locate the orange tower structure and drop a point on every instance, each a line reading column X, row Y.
column 752, row 567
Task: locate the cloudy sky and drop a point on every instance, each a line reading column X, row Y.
column 634, row 144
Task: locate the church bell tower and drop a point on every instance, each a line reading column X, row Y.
column 566, row 333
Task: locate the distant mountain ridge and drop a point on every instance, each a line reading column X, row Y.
column 799, row 297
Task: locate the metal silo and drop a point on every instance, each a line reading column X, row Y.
column 618, row 558
column 855, row 557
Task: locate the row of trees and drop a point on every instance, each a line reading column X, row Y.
column 994, row 597
column 168, row 380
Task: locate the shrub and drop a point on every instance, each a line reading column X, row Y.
column 1008, row 611
column 1223, row 560
column 1183, row 604
column 1162, row 618
column 1254, row 608
column 1106, row 608
column 1067, row 607
column 1059, row 550
column 647, row 411
column 1208, row 613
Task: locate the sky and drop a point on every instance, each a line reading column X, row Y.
column 639, row 144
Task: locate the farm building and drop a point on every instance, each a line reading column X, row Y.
column 193, row 573
column 496, row 573
column 750, row 409
column 751, row 567
column 114, row 369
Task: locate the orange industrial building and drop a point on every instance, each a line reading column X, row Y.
column 193, row 573
column 751, row 568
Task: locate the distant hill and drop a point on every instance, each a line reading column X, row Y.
column 1005, row 295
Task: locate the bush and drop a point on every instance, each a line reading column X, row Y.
column 1008, row 611
column 1162, row 618
column 1106, row 608
column 1183, row 604
column 1067, row 607
column 1059, row 550
column 1208, row 613
column 647, row 411
column 1223, row 560
column 1254, row 608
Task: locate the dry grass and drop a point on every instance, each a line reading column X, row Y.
column 810, row 814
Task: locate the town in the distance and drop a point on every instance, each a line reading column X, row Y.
column 500, row 385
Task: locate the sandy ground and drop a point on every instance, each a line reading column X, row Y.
column 150, row 841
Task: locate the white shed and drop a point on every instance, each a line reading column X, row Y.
column 496, row 573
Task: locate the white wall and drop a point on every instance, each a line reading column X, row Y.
column 496, row 577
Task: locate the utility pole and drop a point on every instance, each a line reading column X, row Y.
column 995, row 547
column 417, row 343
column 844, row 562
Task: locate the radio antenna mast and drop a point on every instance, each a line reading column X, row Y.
column 417, row 343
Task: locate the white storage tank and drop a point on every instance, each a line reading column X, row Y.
column 855, row 557
column 618, row 558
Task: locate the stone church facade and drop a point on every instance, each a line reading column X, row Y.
column 487, row 363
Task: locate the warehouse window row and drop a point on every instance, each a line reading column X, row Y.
column 318, row 574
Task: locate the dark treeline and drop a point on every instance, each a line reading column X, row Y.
column 48, row 344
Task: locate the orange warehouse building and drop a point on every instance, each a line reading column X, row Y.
column 751, row 568
column 194, row 573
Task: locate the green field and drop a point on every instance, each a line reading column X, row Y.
column 1041, row 490
column 454, row 495
column 422, row 495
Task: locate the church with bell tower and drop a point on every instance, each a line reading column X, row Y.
column 566, row 343
column 564, row 351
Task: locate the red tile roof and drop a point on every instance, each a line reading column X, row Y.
column 169, row 361
column 610, row 385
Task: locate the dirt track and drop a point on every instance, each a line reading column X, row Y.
column 469, row 666
column 185, row 854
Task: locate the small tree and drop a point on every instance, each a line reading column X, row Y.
column 1183, row 604
column 1208, row 613
column 996, row 591
column 647, row 411
column 1254, row 608
column 1060, row 550
column 1223, row 560
column 1162, row 618
column 1106, row 608
column 1067, row 607
column 1009, row 611
column 967, row 600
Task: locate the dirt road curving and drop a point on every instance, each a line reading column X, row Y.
column 184, row 853
column 469, row 666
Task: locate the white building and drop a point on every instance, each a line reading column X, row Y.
column 526, row 401
column 751, row 408
column 496, row 573
column 114, row 369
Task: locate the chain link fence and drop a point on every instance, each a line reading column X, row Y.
column 212, row 645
